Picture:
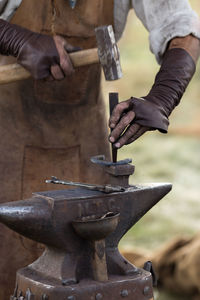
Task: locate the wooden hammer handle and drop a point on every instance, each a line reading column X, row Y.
column 14, row 72
column 84, row 57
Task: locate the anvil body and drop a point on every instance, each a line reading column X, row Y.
column 64, row 269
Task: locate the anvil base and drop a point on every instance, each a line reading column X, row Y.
column 135, row 287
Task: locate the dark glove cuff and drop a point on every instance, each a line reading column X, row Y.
column 149, row 115
column 171, row 81
column 12, row 37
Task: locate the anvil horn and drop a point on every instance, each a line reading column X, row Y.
column 27, row 217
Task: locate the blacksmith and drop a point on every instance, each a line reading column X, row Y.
column 53, row 123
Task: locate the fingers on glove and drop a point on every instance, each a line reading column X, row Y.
column 128, row 134
column 118, row 112
column 57, row 72
column 132, row 133
column 65, row 62
column 138, row 134
column 121, row 126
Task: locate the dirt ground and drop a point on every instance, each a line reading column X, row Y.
column 161, row 158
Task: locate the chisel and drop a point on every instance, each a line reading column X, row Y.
column 113, row 101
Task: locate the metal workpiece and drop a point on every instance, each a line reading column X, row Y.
column 101, row 160
column 118, row 172
column 118, row 175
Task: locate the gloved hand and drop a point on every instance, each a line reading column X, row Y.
column 131, row 118
column 42, row 55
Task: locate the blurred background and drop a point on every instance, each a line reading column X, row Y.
column 174, row 157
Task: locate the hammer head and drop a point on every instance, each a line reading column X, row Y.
column 108, row 52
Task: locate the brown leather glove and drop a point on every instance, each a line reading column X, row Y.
column 171, row 81
column 152, row 111
column 42, row 55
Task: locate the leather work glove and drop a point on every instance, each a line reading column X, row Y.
column 131, row 118
column 42, row 55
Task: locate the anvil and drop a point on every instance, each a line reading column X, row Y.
column 64, row 271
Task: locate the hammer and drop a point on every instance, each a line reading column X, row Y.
column 107, row 54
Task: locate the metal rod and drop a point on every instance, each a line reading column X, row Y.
column 101, row 188
column 113, row 101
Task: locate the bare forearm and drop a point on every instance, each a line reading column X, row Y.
column 189, row 43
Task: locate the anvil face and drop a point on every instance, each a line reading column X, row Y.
column 47, row 218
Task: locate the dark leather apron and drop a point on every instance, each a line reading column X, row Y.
column 50, row 128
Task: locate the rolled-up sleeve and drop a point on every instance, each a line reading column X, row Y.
column 165, row 20
column 8, row 8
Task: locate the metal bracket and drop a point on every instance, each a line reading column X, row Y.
column 148, row 266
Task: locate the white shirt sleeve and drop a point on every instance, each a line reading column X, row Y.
column 165, row 20
column 2, row 5
column 8, row 8
column 121, row 10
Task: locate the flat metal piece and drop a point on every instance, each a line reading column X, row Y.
column 108, row 51
column 100, row 160
column 72, row 3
